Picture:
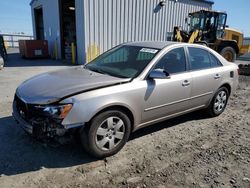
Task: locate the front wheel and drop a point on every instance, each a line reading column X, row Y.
column 106, row 134
column 219, row 102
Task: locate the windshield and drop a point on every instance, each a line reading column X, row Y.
column 221, row 25
column 197, row 21
column 123, row 61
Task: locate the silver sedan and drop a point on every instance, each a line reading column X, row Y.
column 126, row 88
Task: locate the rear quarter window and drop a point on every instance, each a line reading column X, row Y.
column 214, row 61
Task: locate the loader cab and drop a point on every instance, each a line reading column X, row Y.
column 211, row 24
column 208, row 28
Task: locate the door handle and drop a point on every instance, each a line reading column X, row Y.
column 217, row 76
column 185, row 83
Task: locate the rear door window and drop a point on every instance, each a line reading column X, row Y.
column 198, row 58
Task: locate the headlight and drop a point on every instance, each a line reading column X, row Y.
column 59, row 111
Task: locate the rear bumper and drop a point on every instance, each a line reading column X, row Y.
column 24, row 124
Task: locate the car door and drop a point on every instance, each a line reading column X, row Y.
column 206, row 77
column 168, row 96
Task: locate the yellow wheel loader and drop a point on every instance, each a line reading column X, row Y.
column 209, row 28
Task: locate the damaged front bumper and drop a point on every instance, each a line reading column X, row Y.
column 38, row 127
column 37, row 124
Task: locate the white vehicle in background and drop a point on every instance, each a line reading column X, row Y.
column 1, row 62
column 3, row 52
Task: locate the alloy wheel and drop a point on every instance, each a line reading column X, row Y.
column 110, row 133
column 220, row 101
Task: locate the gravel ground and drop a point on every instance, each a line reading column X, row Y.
column 189, row 151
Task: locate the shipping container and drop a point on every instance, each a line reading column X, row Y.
column 33, row 48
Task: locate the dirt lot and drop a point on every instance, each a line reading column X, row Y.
column 189, row 151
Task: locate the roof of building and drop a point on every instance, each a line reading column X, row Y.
column 31, row 2
column 206, row 1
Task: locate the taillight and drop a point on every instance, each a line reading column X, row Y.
column 238, row 70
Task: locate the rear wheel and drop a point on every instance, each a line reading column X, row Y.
column 219, row 102
column 228, row 53
column 107, row 133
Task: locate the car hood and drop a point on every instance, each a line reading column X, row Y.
column 52, row 86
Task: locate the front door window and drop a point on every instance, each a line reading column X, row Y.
column 173, row 62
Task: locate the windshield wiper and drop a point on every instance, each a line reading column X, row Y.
column 98, row 70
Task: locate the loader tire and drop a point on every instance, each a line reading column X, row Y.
column 228, row 53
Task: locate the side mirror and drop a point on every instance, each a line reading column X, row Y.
column 159, row 74
column 186, row 20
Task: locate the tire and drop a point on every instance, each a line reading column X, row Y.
column 218, row 103
column 106, row 134
column 228, row 53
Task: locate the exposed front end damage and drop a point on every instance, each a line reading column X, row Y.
column 41, row 121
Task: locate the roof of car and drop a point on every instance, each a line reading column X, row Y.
column 151, row 44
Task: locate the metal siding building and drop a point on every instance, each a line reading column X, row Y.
column 102, row 24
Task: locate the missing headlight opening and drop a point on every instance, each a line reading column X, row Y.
column 57, row 111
